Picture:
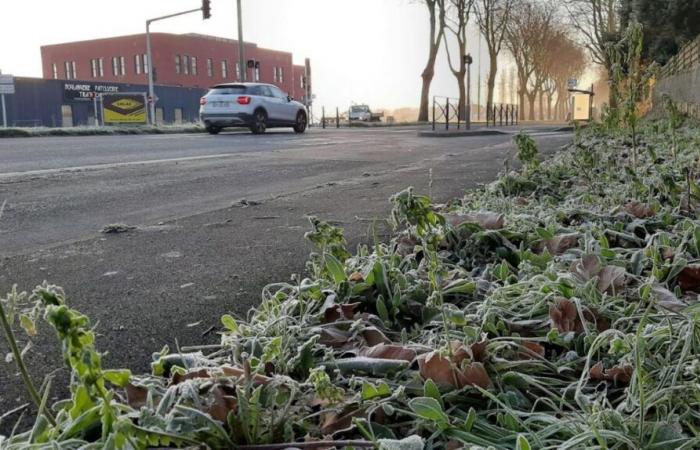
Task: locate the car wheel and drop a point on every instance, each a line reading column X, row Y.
column 211, row 129
column 259, row 122
column 301, row 122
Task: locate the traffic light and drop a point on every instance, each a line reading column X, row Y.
column 206, row 9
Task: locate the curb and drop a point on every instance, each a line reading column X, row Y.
column 448, row 134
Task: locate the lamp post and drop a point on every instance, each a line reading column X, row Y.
column 468, row 60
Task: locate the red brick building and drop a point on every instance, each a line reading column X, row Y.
column 188, row 60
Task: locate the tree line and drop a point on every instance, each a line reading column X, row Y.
column 549, row 42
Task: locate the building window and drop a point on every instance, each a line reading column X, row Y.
column 238, row 71
column 93, row 67
column 145, row 63
column 178, row 65
column 74, row 72
column 224, row 69
column 66, row 67
column 137, row 64
column 115, row 66
column 194, row 65
column 186, row 64
column 101, row 67
column 280, row 76
column 210, row 67
column 257, row 73
column 274, row 73
column 54, row 68
column 122, row 65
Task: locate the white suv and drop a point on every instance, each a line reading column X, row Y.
column 254, row 105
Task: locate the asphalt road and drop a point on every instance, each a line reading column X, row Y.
column 197, row 253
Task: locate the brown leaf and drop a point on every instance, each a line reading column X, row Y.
column 487, row 220
column 136, row 395
column 560, row 244
column 689, row 278
column 621, row 374
column 587, row 267
column 357, row 277
column 383, row 351
column 231, row 371
column 332, row 422
column 334, row 337
column 521, row 201
column 191, row 375
column 222, row 404
column 639, row 210
column 373, row 336
column 611, row 279
column 474, row 374
column 345, row 311
column 564, row 316
column 436, row 367
column 533, row 348
column 405, row 245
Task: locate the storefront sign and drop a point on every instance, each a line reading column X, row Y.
column 124, row 108
column 86, row 91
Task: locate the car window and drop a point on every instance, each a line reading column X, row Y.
column 256, row 90
column 233, row 90
column 277, row 92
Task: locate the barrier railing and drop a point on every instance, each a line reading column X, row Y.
column 502, row 114
column 685, row 60
column 445, row 108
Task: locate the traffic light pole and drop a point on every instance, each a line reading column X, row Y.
column 151, row 65
column 241, row 55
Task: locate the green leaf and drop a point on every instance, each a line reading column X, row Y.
column 544, row 233
column 460, row 287
column 230, row 323
column 27, row 324
column 382, row 311
column 369, row 391
column 431, row 390
column 335, row 268
column 429, row 409
column 521, row 443
column 471, row 418
column 119, row 378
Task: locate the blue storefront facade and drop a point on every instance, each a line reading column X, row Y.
column 61, row 103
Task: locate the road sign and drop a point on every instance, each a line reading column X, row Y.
column 7, row 79
column 572, row 83
column 7, row 88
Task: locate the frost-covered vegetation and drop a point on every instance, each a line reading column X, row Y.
column 554, row 308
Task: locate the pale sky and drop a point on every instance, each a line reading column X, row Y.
column 363, row 51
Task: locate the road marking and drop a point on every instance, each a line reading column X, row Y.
column 114, row 165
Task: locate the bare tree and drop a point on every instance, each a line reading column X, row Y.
column 436, row 12
column 598, row 25
column 456, row 21
column 492, row 16
column 527, row 36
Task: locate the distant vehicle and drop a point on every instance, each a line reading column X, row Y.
column 364, row 114
column 256, row 106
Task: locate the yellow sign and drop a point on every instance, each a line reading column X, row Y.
column 124, row 108
column 581, row 106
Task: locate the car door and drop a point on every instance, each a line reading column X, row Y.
column 288, row 109
column 275, row 112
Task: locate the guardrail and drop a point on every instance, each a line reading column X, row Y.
column 685, row 60
column 502, row 114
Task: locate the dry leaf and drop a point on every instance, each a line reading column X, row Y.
column 136, row 395
column 560, row 244
column 611, row 279
column 436, row 367
column 621, row 374
column 222, row 404
column 191, row 375
column 639, row 210
column 231, row 371
column 532, row 349
column 333, row 422
column 689, row 278
column 487, row 220
column 334, row 337
column 667, row 299
column 344, row 311
column 564, row 316
column 373, row 336
column 474, row 374
column 357, row 277
column 383, row 351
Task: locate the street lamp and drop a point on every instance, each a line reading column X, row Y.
column 241, row 56
column 468, row 60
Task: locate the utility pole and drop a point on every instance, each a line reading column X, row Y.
column 206, row 13
column 241, row 55
column 469, row 60
column 478, row 87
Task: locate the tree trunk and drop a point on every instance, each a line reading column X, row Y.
column 549, row 107
column 531, row 97
column 521, row 114
column 428, row 74
column 541, row 106
column 462, row 96
column 491, row 82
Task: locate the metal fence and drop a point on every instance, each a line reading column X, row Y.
column 444, row 109
column 686, row 59
column 502, row 114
